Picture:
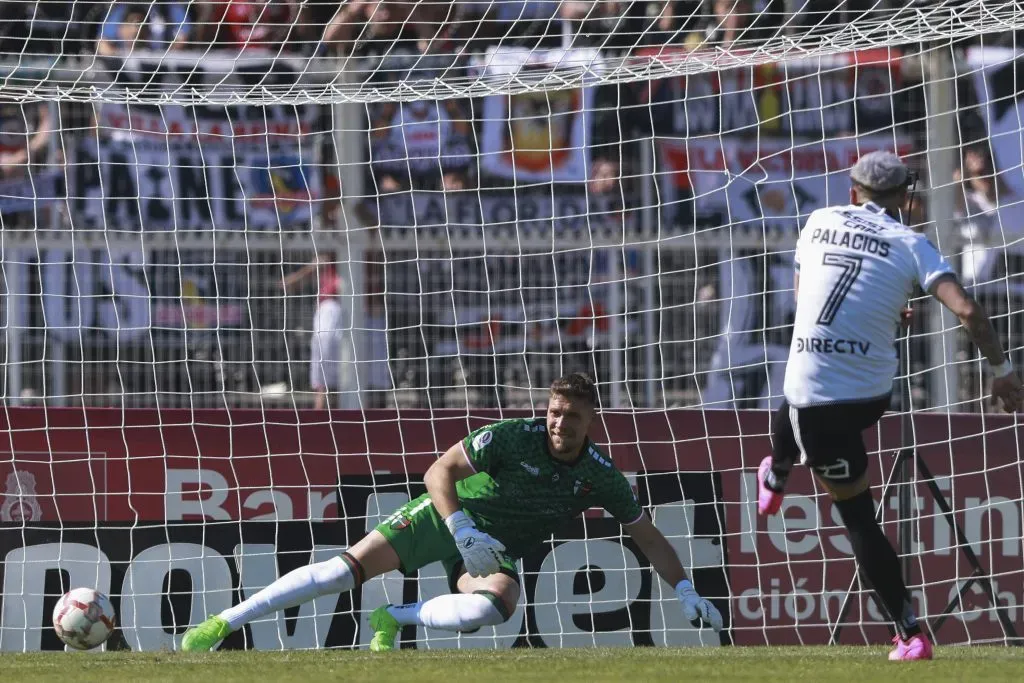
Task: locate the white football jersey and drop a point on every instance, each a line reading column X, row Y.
column 858, row 266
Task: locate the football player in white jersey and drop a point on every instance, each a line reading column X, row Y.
column 860, row 264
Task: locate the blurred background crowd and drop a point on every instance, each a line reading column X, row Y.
column 441, row 324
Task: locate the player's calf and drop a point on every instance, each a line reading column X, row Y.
column 462, row 613
column 881, row 568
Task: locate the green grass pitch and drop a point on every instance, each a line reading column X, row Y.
column 636, row 665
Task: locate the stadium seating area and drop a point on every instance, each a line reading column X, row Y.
column 431, row 311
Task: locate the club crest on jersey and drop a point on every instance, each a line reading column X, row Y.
column 481, row 440
column 582, row 488
column 400, row 523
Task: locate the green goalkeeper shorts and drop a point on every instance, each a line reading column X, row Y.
column 419, row 537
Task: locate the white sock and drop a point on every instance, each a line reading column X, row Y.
column 460, row 612
column 294, row 588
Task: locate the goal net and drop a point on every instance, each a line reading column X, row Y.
column 263, row 262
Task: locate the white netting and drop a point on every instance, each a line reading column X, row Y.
column 220, row 217
column 402, row 51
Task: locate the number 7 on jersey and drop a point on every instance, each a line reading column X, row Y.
column 851, row 266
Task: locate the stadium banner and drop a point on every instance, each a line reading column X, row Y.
column 98, row 295
column 763, row 190
column 476, row 324
column 213, row 503
column 200, row 167
column 529, row 213
column 31, row 191
column 830, row 96
column 541, row 136
column 420, row 140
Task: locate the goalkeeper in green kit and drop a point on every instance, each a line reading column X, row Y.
column 490, row 499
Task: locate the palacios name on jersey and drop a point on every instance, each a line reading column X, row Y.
column 857, row 241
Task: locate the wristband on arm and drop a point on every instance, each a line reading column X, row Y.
column 1003, row 369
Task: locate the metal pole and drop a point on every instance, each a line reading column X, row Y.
column 14, row 277
column 58, row 369
column 649, row 222
column 58, row 384
column 351, row 235
column 942, row 161
column 905, row 473
column 617, row 328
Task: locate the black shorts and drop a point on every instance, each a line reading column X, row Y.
column 828, row 436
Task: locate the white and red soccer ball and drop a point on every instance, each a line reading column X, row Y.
column 83, row 618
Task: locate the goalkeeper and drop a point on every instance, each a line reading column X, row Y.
column 490, row 499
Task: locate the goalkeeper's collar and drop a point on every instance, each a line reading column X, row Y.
column 587, row 445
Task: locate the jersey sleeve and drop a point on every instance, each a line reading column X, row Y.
column 617, row 497
column 483, row 447
column 930, row 264
column 808, row 226
column 796, row 250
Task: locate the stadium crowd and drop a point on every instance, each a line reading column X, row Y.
column 436, row 147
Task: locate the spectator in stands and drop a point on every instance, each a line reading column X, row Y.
column 249, row 24
column 992, row 260
column 25, row 133
column 530, row 20
column 610, row 25
column 820, row 16
column 387, row 30
column 40, row 30
column 362, row 28
column 978, row 214
column 672, row 19
column 158, row 25
column 728, row 22
column 420, row 145
column 737, row 24
column 619, row 122
column 30, row 188
column 332, row 355
column 979, row 183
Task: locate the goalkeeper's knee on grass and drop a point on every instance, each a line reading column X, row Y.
column 463, row 612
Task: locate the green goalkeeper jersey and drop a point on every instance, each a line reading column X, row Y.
column 521, row 494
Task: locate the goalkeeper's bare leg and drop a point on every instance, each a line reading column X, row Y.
column 480, row 601
column 370, row 557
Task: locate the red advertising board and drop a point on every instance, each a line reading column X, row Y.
column 787, row 576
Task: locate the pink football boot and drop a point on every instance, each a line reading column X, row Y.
column 918, row 647
column 768, row 501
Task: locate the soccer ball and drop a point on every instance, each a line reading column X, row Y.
column 83, row 618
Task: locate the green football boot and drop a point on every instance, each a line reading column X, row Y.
column 206, row 635
column 385, row 629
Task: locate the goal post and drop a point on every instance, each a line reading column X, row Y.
column 259, row 268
